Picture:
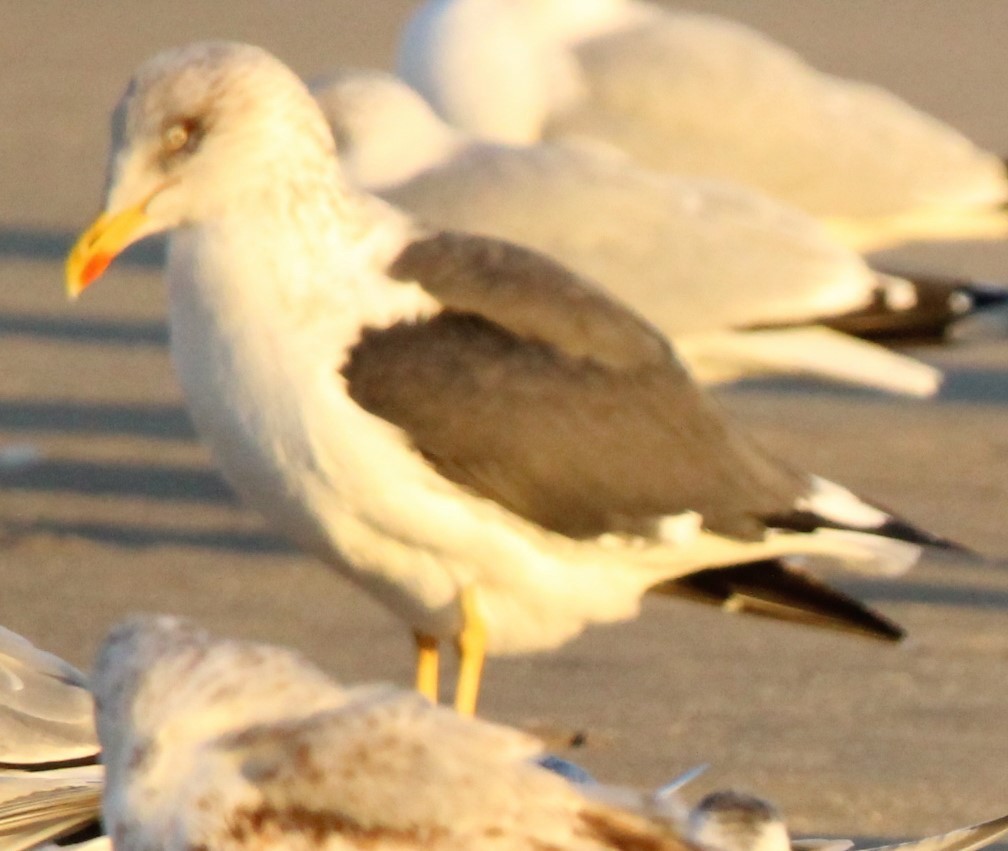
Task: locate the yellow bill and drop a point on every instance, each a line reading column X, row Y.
column 99, row 245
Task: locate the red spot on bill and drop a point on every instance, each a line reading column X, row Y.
column 94, row 268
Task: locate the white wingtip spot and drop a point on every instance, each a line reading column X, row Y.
column 680, row 529
column 960, row 303
column 834, row 502
column 899, row 294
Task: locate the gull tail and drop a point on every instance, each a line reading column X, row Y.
column 926, row 308
column 98, row 843
column 783, row 591
column 976, row 221
column 39, row 806
column 866, row 537
column 812, row 351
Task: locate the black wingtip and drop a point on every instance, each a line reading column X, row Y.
column 782, row 591
column 922, row 308
column 900, row 530
column 894, row 528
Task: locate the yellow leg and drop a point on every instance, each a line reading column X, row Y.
column 427, row 666
column 471, row 646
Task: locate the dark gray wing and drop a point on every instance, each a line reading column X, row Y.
column 534, row 297
column 776, row 589
column 538, row 392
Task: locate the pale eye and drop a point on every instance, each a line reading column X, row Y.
column 175, row 138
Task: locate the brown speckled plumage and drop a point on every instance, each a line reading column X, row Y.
column 237, row 756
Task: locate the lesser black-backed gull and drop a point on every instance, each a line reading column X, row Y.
column 485, row 442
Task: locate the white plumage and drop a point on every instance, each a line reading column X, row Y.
column 696, row 94
column 46, row 722
column 707, row 261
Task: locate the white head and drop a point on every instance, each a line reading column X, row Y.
column 385, row 132
column 486, row 67
column 570, row 21
column 199, row 132
column 162, row 679
column 734, row 821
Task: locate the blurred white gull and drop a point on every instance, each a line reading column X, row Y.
column 50, row 783
column 45, row 707
column 737, row 821
column 708, row 262
column 689, row 93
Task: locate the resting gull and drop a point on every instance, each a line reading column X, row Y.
column 494, row 449
column 737, row 821
column 200, row 733
column 719, row 268
column 227, row 745
column 696, row 94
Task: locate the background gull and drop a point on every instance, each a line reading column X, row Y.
column 697, row 94
column 45, row 707
column 49, row 782
column 229, row 727
column 473, row 434
column 227, row 745
column 737, row 821
column 708, row 262
column 36, row 806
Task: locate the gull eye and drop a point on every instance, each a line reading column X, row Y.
column 175, row 138
column 179, row 139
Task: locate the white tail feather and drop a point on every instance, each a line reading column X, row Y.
column 100, row 843
column 867, row 553
column 812, row 351
column 835, row 503
column 39, row 806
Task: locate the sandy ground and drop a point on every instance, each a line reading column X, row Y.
column 123, row 511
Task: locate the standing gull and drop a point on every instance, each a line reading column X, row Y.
column 697, row 94
column 720, row 269
column 495, row 450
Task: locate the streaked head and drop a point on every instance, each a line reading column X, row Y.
column 163, row 678
column 197, row 131
column 131, row 675
column 735, row 821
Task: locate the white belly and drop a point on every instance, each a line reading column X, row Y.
column 347, row 487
